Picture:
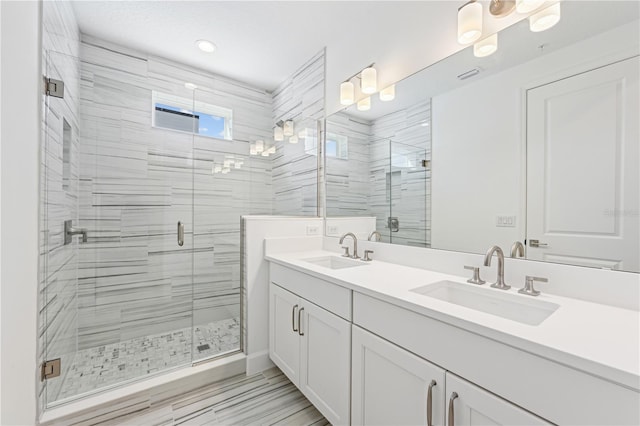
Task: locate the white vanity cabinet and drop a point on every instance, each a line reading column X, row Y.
column 311, row 345
column 391, row 386
column 469, row 405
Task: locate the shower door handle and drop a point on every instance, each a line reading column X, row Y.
column 180, row 233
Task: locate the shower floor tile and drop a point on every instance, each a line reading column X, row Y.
column 108, row 365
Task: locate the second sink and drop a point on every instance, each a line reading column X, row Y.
column 509, row 306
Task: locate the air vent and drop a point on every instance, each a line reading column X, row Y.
column 469, row 74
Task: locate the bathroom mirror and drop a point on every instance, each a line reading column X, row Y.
column 537, row 143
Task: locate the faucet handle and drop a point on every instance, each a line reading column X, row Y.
column 528, row 285
column 476, row 275
column 366, row 257
column 346, row 251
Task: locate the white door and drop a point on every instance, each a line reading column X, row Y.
column 582, row 169
column 325, row 371
column 284, row 339
column 469, row 405
column 392, row 386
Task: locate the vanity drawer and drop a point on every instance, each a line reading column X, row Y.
column 556, row 392
column 329, row 296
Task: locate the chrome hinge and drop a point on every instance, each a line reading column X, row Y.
column 50, row 369
column 54, row 87
column 426, row 164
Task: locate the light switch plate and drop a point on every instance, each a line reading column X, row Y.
column 506, row 221
column 332, row 230
column 313, row 229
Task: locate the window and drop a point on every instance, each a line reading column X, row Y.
column 185, row 115
column 336, row 146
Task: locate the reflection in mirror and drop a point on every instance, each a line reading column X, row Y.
column 537, row 143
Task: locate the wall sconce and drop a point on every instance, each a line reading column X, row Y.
column 388, row 93
column 486, row 47
column 368, row 85
column 364, row 104
column 469, row 22
column 545, row 19
column 526, row 6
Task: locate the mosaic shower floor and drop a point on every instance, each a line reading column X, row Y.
column 111, row 364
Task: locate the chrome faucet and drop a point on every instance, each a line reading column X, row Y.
column 517, row 249
column 487, row 262
column 355, row 244
column 375, row 234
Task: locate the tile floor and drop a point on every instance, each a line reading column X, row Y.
column 266, row 398
column 111, row 364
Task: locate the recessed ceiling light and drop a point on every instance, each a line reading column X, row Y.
column 190, row 86
column 206, row 46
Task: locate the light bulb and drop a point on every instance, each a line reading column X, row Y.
column 364, row 104
column 486, row 47
column 469, row 22
column 288, row 128
column 369, row 81
column 526, row 6
column 545, row 19
column 346, row 93
column 278, row 134
column 388, row 93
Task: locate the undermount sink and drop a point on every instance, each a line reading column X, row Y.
column 334, row 262
column 510, row 306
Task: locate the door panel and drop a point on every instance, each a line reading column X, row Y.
column 587, row 124
column 390, row 385
column 284, row 340
column 326, row 362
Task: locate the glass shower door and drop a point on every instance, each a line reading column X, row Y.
column 117, row 299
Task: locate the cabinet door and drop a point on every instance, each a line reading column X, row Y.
column 325, row 362
column 284, row 340
column 470, row 406
column 391, row 385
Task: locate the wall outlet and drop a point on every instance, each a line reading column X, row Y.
column 332, row 230
column 506, row 221
column 313, row 230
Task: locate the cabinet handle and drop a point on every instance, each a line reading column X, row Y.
column 430, row 402
column 451, row 420
column 180, row 233
column 300, row 332
column 293, row 318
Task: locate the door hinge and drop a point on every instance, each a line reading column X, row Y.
column 426, row 164
column 50, row 369
column 54, row 87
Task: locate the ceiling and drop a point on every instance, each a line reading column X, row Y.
column 263, row 42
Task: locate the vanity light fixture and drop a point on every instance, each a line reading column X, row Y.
column 486, row 47
column 287, row 128
column 369, row 80
column 364, row 104
column 388, row 93
column 469, row 22
column 347, row 96
column 526, row 6
column 545, row 19
column 206, row 46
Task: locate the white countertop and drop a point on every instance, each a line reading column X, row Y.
column 598, row 339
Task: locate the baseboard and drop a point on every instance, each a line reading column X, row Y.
column 259, row 361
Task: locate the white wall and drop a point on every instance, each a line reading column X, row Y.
column 21, row 91
column 478, row 144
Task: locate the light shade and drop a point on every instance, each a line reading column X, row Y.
column 265, row 153
column 364, row 104
column 293, row 139
column 288, row 128
column 469, row 22
column 302, row 134
column 486, row 47
column 388, row 93
column 526, row 6
column 369, row 81
column 252, row 150
column 225, row 170
column 272, row 149
column 347, row 96
column 545, row 19
column 259, row 146
column 278, row 134
column 217, row 168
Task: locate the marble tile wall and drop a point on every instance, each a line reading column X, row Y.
column 403, row 137
column 137, row 182
column 300, row 98
column 59, row 191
